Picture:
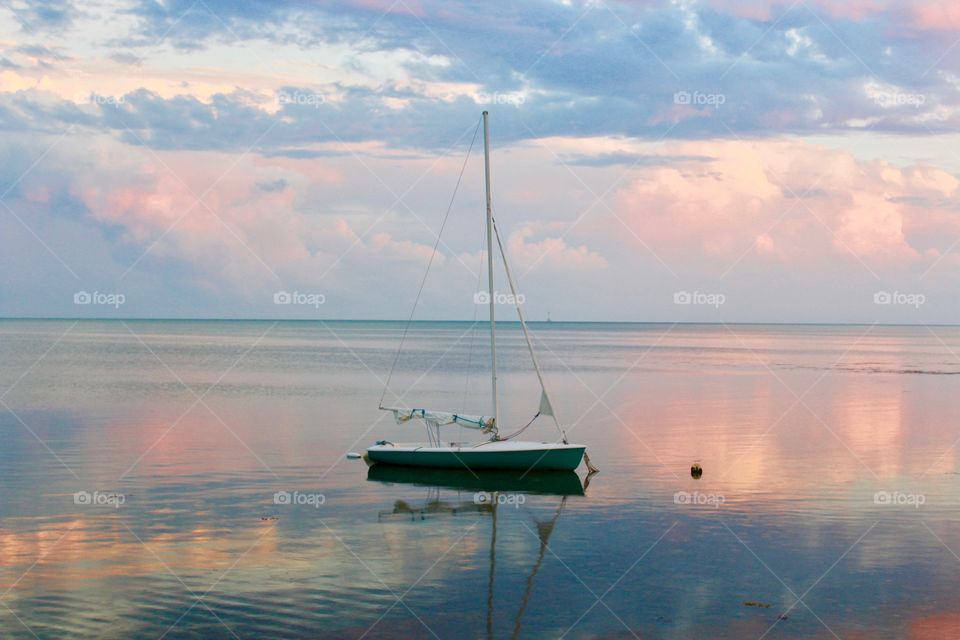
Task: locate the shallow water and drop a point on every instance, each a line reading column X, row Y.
column 194, row 426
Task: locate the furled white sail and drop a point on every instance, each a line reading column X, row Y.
column 441, row 418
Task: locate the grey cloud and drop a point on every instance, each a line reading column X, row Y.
column 273, row 186
column 44, row 15
column 629, row 159
column 593, row 71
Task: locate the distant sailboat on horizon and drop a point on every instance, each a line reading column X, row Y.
column 499, row 451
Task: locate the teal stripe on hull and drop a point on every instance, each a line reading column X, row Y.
column 554, row 460
column 551, row 482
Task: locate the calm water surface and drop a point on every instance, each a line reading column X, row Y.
column 828, row 504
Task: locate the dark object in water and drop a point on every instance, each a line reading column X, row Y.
column 751, row 603
column 696, row 471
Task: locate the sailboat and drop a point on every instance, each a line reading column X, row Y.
column 498, row 451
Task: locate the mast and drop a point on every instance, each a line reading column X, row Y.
column 490, row 292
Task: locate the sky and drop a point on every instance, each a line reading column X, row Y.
column 685, row 161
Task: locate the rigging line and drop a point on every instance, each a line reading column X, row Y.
column 436, row 245
column 522, row 429
column 526, row 335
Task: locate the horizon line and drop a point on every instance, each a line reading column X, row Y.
column 465, row 321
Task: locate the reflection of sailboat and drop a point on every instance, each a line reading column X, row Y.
column 491, row 484
column 562, row 483
column 499, row 451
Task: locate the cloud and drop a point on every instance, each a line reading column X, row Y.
column 627, row 137
column 44, row 15
column 766, row 10
column 273, row 185
column 41, row 52
column 936, row 16
column 745, row 214
column 418, row 79
column 791, row 203
column 627, row 158
column 529, row 245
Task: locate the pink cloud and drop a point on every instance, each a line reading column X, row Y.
column 262, row 223
column 791, row 202
column 938, row 16
column 920, row 14
column 189, row 207
column 530, row 245
column 702, row 208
